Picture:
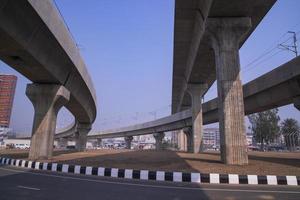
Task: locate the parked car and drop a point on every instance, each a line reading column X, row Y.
column 22, row 146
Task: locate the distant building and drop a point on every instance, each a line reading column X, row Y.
column 16, row 143
column 5, row 132
column 144, row 138
column 7, row 93
column 168, row 137
column 249, row 138
column 175, row 137
column 211, row 137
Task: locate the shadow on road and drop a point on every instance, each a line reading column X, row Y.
column 23, row 154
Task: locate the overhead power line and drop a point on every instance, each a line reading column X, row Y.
column 261, row 58
column 269, row 51
column 292, row 47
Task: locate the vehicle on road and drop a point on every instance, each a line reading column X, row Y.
column 22, row 146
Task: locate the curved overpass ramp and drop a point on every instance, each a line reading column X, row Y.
column 276, row 88
column 35, row 41
column 66, row 131
column 173, row 122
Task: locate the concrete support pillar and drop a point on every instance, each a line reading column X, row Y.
column 185, row 142
column 81, row 136
column 196, row 92
column 99, row 142
column 181, row 136
column 62, row 143
column 128, row 141
column 158, row 140
column 297, row 102
column 226, row 36
column 182, row 141
column 189, row 139
column 174, row 139
column 47, row 99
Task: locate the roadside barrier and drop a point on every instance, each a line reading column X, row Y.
column 212, row 178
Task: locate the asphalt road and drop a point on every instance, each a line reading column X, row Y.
column 16, row 183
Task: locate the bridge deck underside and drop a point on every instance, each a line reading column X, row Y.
column 276, row 88
column 35, row 42
column 203, row 68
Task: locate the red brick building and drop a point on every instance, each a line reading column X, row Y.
column 7, row 93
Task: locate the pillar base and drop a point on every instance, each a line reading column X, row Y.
column 158, row 140
column 62, row 143
column 189, row 139
column 81, row 136
column 99, row 142
column 196, row 92
column 47, row 99
column 128, row 140
column 226, row 35
column 182, row 141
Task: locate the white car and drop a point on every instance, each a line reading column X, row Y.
column 21, row 146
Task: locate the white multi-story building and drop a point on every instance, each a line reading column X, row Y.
column 4, row 131
column 249, row 139
column 17, row 143
column 144, row 138
column 211, row 137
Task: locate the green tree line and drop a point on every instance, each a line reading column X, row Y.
column 266, row 129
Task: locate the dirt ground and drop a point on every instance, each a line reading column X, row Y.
column 261, row 163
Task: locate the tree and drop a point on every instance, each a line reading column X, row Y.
column 290, row 129
column 264, row 126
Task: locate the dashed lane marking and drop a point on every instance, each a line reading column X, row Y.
column 28, row 188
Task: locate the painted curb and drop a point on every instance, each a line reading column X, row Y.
column 212, row 178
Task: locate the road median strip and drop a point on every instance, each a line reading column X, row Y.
column 191, row 177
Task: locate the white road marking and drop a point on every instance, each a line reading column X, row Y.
column 214, row 178
column 144, row 174
column 28, row 188
column 195, row 178
column 177, row 176
column 153, row 186
column 128, row 173
column 160, row 176
column 233, row 179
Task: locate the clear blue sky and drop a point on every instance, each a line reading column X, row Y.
column 128, row 48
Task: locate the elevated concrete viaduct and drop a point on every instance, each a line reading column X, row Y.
column 35, row 41
column 276, row 88
column 207, row 38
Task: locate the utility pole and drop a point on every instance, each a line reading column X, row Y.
column 293, row 47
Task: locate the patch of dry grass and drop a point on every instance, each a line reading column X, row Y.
column 261, row 163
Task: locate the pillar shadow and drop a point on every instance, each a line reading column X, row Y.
column 285, row 161
column 23, row 154
column 128, row 159
column 170, row 161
